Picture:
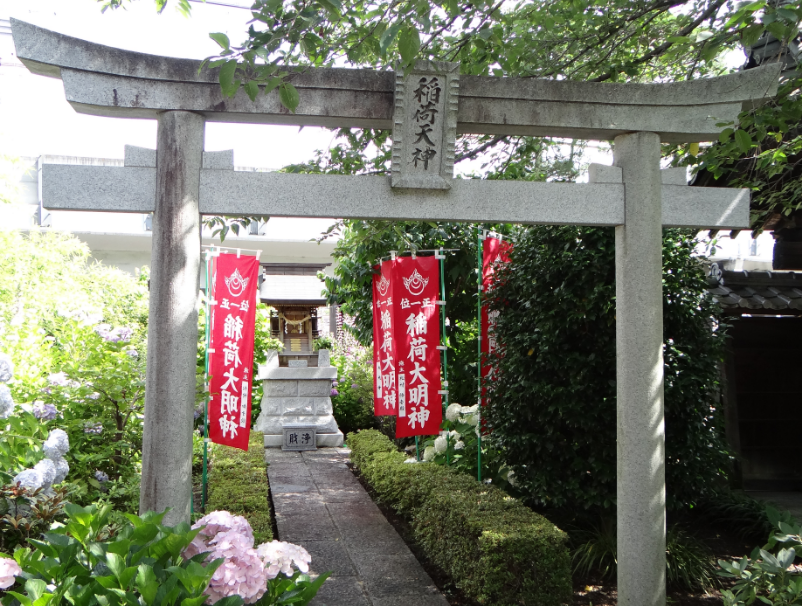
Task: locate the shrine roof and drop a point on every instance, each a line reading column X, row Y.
column 757, row 292
column 292, row 290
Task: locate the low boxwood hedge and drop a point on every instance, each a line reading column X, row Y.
column 238, row 484
column 496, row 550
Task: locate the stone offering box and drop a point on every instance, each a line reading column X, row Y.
column 299, row 437
column 297, row 397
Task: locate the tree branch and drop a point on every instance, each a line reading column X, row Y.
column 478, row 150
column 659, row 50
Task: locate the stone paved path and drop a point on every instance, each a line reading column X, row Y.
column 321, row 505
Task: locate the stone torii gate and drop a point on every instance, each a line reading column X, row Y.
column 178, row 182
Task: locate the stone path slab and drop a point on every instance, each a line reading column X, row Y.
column 321, row 506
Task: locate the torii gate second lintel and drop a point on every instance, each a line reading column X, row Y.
column 426, row 111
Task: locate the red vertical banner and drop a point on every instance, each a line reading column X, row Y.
column 494, row 251
column 234, row 286
column 416, row 286
column 385, row 394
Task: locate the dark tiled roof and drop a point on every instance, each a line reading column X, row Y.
column 756, row 291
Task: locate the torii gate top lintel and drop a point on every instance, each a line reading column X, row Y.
column 107, row 81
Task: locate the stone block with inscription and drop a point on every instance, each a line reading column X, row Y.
column 425, row 126
column 299, row 437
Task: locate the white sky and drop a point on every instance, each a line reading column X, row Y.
column 35, row 118
column 41, row 121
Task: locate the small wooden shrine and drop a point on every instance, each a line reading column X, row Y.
column 294, row 292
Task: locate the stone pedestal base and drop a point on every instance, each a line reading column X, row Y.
column 298, row 395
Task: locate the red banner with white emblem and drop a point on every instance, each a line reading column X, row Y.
column 385, row 395
column 234, row 285
column 416, row 285
column 494, row 251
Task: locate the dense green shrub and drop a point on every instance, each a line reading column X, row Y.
column 238, row 484
column 494, row 549
column 553, row 407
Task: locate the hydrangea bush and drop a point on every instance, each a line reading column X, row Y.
column 259, row 575
column 73, row 358
column 457, row 446
column 145, row 563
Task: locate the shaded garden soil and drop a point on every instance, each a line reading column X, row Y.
column 591, row 590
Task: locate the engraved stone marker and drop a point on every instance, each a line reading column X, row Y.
column 425, row 126
column 299, row 437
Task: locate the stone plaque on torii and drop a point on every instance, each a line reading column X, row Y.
column 426, row 110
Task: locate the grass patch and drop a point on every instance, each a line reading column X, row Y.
column 238, row 484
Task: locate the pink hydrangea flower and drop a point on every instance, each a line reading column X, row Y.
column 241, row 574
column 279, row 556
column 8, row 570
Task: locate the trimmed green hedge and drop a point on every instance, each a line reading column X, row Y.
column 494, row 549
column 238, row 484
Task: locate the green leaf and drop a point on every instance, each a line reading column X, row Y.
column 115, row 563
column 252, row 90
column 388, row 37
column 743, row 140
column 23, row 599
column 334, row 7
column 409, row 44
column 146, row 583
column 289, row 96
column 227, row 82
column 35, row 588
column 725, row 135
column 272, row 84
column 221, row 40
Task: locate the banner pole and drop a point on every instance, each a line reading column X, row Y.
column 204, row 480
column 417, row 449
column 479, row 243
column 444, row 344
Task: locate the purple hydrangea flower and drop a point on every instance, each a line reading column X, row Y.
column 335, row 383
column 6, row 368
column 117, row 335
column 44, row 412
column 123, row 334
column 58, row 378
column 47, row 468
column 93, row 428
column 133, row 353
column 62, row 469
column 56, row 445
column 101, row 476
column 354, row 385
column 334, row 392
column 104, row 331
column 30, row 478
column 6, row 402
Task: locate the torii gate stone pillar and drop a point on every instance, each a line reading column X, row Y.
column 639, row 371
column 180, row 181
column 173, row 318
